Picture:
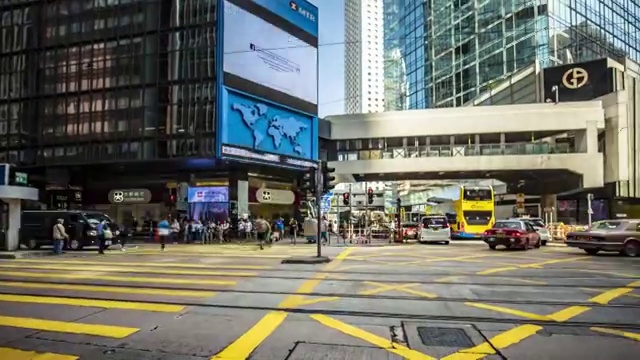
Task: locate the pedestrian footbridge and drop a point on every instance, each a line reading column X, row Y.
column 536, row 148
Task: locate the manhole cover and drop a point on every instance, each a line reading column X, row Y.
column 448, row 337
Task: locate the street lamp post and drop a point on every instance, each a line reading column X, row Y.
column 556, row 93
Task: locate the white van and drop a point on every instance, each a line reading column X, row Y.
column 434, row 229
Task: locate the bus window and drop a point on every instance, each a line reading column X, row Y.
column 474, row 217
column 477, row 194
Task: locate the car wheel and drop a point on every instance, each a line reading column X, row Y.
column 592, row 251
column 32, row 244
column 632, row 248
column 492, row 247
column 544, row 242
column 526, row 246
column 74, row 245
column 537, row 245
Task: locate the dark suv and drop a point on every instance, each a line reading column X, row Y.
column 37, row 228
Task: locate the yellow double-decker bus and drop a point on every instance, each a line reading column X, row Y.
column 474, row 212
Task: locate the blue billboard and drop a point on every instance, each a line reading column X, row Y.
column 265, row 131
column 300, row 13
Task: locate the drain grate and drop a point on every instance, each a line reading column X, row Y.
column 447, row 337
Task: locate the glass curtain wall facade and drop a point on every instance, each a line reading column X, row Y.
column 395, row 71
column 85, row 81
column 462, row 48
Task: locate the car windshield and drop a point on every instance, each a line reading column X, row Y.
column 536, row 223
column 434, row 221
column 515, row 225
column 96, row 218
column 606, row 225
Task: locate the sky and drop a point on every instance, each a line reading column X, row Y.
column 331, row 54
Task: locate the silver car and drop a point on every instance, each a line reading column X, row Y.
column 541, row 229
column 434, row 228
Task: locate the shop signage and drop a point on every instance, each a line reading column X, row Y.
column 255, row 155
column 418, row 208
column 129, row 196
column 208, row 194
column 578, row 82
column 275, row 196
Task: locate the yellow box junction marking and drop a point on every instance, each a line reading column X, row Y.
column 373, row 339
column 538, row 265
column 610, row 295
column 116, row 278
column 128, row 270
column 250, row 340
column 151, row 264
column 15, row 354
column 500, row 341
column 106, row 304
column 627, row 334
column 385, row 287
column 106, row 288
column 558, row 316
column 116, row 332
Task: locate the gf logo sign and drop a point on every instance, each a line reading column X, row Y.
column 575, row 78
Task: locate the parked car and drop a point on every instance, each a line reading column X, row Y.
column 37, row 228
column 512, row 234
column 540, row 227
column 621, row 236
column 410, row 230
column 434, row 229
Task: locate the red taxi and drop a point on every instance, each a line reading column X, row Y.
column 410, row 230
column 512, row 234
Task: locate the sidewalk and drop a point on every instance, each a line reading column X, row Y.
column 23, row 254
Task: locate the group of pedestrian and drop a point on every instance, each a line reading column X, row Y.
column 103, row 233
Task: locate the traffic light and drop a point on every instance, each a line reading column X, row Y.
column 171, row 197
column 308, row 184
column 370, row 196
column 327, row 177
column 345, row 198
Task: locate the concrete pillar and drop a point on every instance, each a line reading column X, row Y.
column 587, row 140
column 238, row 195
column 549, row 207
column 503, row 139
column 12, row 240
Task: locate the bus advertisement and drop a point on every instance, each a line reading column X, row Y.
column 474, row 211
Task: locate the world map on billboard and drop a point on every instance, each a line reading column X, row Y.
column 279, row 128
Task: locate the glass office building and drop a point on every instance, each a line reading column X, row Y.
column 454, row 51
column 86, row 81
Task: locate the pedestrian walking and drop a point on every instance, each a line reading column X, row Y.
column 59, row 236
column 263, row 230
column 104, row 233
column 293, row 229
column 163, row 232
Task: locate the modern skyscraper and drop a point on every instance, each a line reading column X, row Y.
column 364, row 56
column 453, row 51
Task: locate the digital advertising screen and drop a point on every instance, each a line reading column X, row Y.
column 209, row 194
column 262, row 58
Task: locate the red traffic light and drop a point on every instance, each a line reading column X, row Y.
column 172, row 198
column 345, row 195
column 370, row 191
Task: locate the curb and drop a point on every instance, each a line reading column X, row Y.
column 309, row 260
column 24, row 254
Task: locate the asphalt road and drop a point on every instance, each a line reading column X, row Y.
column 460, row 301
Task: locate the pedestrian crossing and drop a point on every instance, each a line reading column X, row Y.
column 46, row 295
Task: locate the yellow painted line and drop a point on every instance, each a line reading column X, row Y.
column 610, row 295
column 559, row 316
column 504, row 310
column 110, row 289
column 106, row 304
column 128, row 270
column 496, row 270
column 372, row 339
column 456, row 258
column 500, row 341
column 15, row 354
column 116, row 278
column 318, row 300
column 150, row 264
column 549, row 262
column 634, row 284
column 527, row 281
column 116, row 332
column 250, row 340
column 420, row 293
column 626, row 334
column 568, row 313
